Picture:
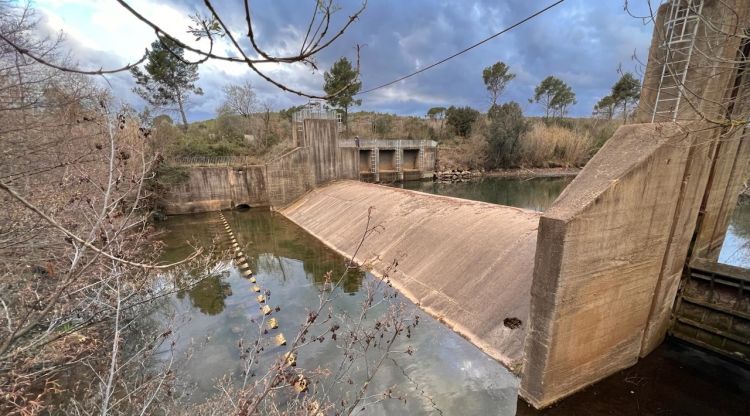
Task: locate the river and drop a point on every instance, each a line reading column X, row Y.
column 444, row 375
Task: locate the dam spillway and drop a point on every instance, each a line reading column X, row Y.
column 484, row 296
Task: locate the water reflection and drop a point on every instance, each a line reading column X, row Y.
column 208, row 295
column 530, row 193
column 736, row 248
column 445, row 373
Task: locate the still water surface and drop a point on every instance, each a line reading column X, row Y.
column 445, row 375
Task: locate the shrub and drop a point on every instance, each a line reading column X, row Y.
column 550, row 146
column 461, row 119
column 382, row 125
column 507, row 126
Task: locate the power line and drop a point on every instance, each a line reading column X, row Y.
column 509, row 28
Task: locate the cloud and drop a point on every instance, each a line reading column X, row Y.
column 580, row 41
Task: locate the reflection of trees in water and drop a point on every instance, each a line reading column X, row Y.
column 267, row 239
column 208, row 295
column 741, row 218
column 270, row 238
column 535, row 193
column 740, row 227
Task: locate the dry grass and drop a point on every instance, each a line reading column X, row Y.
column 555, row 146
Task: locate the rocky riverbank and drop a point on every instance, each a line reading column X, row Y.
column 463, row 175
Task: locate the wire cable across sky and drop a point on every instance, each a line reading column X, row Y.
column 507, row 29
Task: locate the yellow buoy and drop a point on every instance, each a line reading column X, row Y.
column 247, row 273
column 280, row 340
column 272, row 323
column 244, row 266
column 266, row 310
column 300, row 384
column 261, row 299
column 256, row 289
column 290, row 359
column 252, row 279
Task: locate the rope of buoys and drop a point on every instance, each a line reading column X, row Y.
column 290, row 358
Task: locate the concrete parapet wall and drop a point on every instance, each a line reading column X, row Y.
column 217, row 188
column 602, row 251
column 465, row 262
column 275, row 184
column 288, row 176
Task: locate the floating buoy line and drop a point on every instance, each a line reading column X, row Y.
column 241, row 261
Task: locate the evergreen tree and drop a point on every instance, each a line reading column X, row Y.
column 605, row 107
column 341, row 84
column 167, row 79
column 554, row 95
column 626, row 91
column 496, row 77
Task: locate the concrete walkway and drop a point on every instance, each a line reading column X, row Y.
column 467, row 263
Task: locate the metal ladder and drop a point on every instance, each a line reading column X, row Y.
column 398, row 156
column 374, row 160
column 681, row 28
column 421, row 156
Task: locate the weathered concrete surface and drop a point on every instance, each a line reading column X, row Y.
column 686, row 211
column 599, row 256
column 277, row 183
column 465, row 262
column 217, row 188
column 704, row 92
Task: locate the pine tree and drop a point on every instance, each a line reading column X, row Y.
column 168, row 79
column 342, row 85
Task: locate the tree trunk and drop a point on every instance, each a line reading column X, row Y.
column 346, row 121
column 182, row 112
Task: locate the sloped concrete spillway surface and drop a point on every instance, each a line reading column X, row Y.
column 467, row 263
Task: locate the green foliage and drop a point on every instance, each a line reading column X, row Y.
column 626, row 91
column 288, row 114
column 436, row 113
column 504, row 135
column 496, row 77
column 163, row 118
column 461, row 119
column 341, row 84
column 167, row 78
column 382, row 125
column 555, row 96
column 605, row 107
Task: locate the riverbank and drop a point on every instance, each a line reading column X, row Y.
column 533, row 173
column 460, row 175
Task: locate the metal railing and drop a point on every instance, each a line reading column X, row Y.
column 388, row 143
column 214, row 161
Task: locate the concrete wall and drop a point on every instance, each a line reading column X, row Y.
column 275, row 184
column 704, row 92
column 602, row 252
column 727, row 179
column 410, row 159
column 217, row 188
column 289, row 176
column 467, row 263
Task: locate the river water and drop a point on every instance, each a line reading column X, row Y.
column 444, row 375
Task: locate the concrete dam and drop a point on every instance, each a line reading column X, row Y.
column 566, row 297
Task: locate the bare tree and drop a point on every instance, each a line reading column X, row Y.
column 239, row 99
column 318, row 35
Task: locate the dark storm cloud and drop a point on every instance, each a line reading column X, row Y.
column 582, row 42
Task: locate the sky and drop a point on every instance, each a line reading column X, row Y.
column 583, row 42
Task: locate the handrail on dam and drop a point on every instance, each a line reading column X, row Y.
column 214, row 161
column 388, row 143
